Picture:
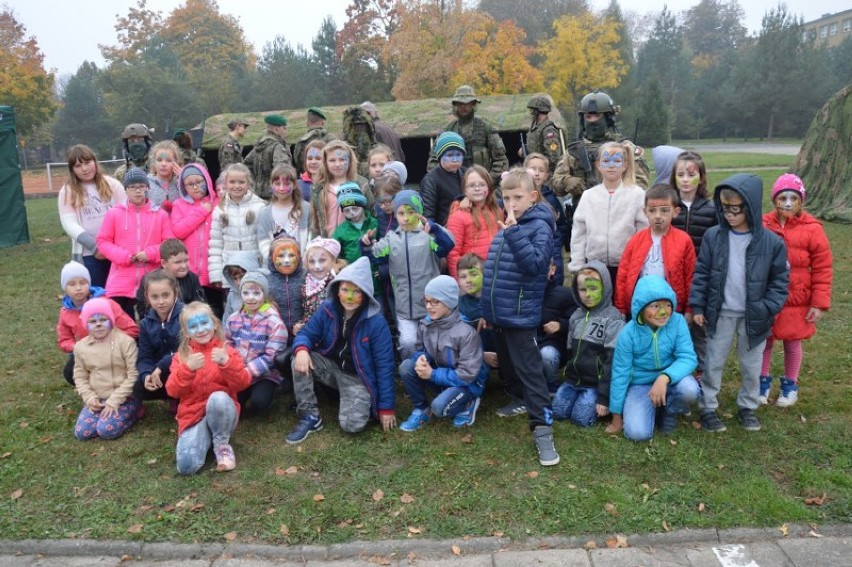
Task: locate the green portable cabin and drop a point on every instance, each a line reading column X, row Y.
column 13, row 213
column 416, row 121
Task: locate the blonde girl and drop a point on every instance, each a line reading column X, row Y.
column 377, row 159
column 83, row 203
column 164, row 169
column 339, row 166
column 473, row 228
column 206, row 375
column 287, row 211
column 235, row 221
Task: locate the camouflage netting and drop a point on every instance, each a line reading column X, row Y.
column 825, row 161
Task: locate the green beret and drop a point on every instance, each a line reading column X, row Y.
column 317, row 111
column 178, row 132
column 275, row 120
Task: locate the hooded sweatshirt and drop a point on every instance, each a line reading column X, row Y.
column 247, row 261
column 664, row 158
column 191, row 223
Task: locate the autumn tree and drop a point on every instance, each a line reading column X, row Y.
column 134, row 34
column 534, row 17
column 24, row 83
column 582, row 56
column 713, row 27
column 360, row 47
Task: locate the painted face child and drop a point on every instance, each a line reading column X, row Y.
column 137, row 194
column 252, row 295
column 237, row 185
column 788, row 195
column 200, row 327
column 313, row 161
column 611, row 165
column 470, row 281
column 660, row 213
column 688, row 178
column 98, row 317
column 475, row 188
column 321, row 254
column 657, row 313
column 195, row 186
column 351, row 297
column 165, row 162
column 589, row 289
column 282, row 189
column 286, row 256
column 451, row 160
column 734, row 210
column 337, row 162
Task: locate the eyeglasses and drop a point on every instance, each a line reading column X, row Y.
column 194, row 184
column 733, row 209
column 431, row 302
column 136, row 188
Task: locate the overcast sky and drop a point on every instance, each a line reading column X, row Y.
column 69, row 31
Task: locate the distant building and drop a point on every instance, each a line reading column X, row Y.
column 831, row 29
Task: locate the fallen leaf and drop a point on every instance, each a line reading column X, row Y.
column 784, row 529
column 467, row 438
column 17, row 494
column 406, row 498
column 379, row 560
column 497, row 534
column 611, row 509
column 701, row 506
column 230, row 536
column 169, row 508
column 591, row 544
column 270, row 511
column 284, row 529
column 126, row 557
column 318, row 497
column 135, row 528
column 456, row 550
column 816, row 500
column 344, row 523
column 6, row 454
column 299, row 448
column 411, row 557
column 617, row 542
column 23, row 425
column 378, row 495
column 359, row 526
column 413, row 530
column 572, row 486
column 673, row 442
column 721, row 467
column 47, row 439
column 196, row 507
column 280, row 472
column 151, row 461
column 696, row 425
column 803, row 419
column 291, row 469
column 532, row 474
column 814, row 534
column 646, row 486
column 666, row 526
column 143, row 508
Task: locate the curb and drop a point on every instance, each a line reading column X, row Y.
column 423, row 547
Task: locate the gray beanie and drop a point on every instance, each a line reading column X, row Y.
column 73, row 270
column 399, row 168
column 135, row 175
column 444, row 289
column 259, row 278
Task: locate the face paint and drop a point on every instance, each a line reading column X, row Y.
column 594, row 291
column 407, row 218
column 353, row 213
column 788, row 204
column 614, row 160
column 350, row 295
column 657, row 313
column 319, row 263
column 470, row 281
column 286, row 258
column 99, row 326
column 199, row 325
column 453, row 156
column 195, row 186
column 282, row 186
column 252, row 296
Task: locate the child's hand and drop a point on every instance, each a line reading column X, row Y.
column 153, row 381
column 207, row 206
column 423, row 368
column 658, row 390
column 490, row 359
column 388, row 421
column 814, row 315
column 176, row 168
column 109, row 411
column 219, row 356
column 601, row 410
column 617, row 424
column 302, row 362
column 195, row 361
column 481, row 324
column 698, row 320
column 427, row 226
column 689, row 316
column 94, row 405
column 140, row 257
column 552, row 327
column 297, row 327
column 510, row 219
column 369, row 237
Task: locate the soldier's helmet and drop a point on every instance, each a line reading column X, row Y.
column 465, row 94
column 598, row 102
column 540, row 103
column 135, row 130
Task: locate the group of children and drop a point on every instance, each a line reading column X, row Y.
column 660, row 287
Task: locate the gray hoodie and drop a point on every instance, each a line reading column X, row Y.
column 665, row 158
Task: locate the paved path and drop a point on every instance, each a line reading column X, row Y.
column 804, row 546
column 749, row 148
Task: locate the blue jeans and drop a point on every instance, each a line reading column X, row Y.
column 640, row 413
column 448, row 401
column 576, row 403
column 214, row 429
column 551, row 360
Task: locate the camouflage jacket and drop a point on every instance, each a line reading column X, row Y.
column 301, row 146
column 483, row 144
column 189, row 156
column 270, row 152
column 230, row 152
column 544, row 138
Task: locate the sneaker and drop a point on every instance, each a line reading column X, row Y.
column 225, row 460
column 668, row 422
column 710, row 422
column 789, row 393
column 543, row 437
column 307, row 424
column 748, row 420
column 468, row 416
column 765, row 386
column 513, row 408
column 417, row 419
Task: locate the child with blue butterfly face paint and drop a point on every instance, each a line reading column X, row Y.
column 609, row 213
column 206, row 376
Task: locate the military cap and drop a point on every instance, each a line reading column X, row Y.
column 540, row 103
column 178, row 133
column 275, row 120
column 318, row 112
column 237, row 122
column 465, row 94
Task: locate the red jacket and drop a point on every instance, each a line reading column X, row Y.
column 678, row 262
column 810, row 260
column 469, row 238
column 70, row 328
column 193, row 388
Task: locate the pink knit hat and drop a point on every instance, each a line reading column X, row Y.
column 100, row 305
column 789, row 182
column 329, row 245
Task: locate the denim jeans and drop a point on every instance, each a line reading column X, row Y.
column 552, row 362
column 448, row 402
column 214, row 429
column 640, row 412
column 576, row 403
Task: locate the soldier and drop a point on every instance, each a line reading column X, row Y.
column 483, row 143
column 184, row 141
column 230, row 150
column 316, row 131
column 137, row 143
column 384, row 133
column 269, row 152
column 544, row 136
column 359, row 132
column 576, row 171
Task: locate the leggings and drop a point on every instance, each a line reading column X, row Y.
column 793, row 354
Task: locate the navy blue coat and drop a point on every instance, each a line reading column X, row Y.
column 158, row 341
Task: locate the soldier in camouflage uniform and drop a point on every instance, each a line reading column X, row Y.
column 544, row 136
column 269, row 152
column 184, row 141
column 360, row 133
column 136, row 139
column 483, row 143
column 316, row 131
column 576, row 171
column 230, row 150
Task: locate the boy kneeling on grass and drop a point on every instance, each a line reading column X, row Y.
column 448, row 360
column 653, row 364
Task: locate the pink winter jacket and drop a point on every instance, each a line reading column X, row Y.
column 191, row 223
column 126, row 230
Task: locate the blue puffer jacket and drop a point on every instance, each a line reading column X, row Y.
column 516, row 270
column 370, row 343
column 767, row 273
column 641, row 353
column 286, row 290
column 158, row 341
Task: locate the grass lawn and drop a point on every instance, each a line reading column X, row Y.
column 438, row 482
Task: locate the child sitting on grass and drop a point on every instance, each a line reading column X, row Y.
column 448, row 360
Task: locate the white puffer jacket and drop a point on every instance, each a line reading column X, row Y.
column 234, row 229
